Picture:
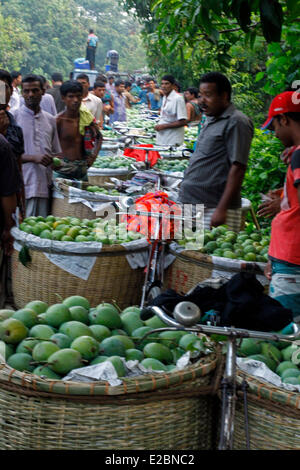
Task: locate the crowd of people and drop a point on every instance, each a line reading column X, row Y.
column 55, row 128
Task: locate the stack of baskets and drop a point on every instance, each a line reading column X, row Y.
column 155, row 411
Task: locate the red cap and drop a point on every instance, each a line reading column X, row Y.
column 286, row 102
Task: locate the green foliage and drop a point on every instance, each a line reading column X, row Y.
column 14, row 43
column 265, row 169
column 189, row 37
column 283, row 62
column 44, row 37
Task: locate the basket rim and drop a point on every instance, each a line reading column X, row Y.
column 267, row 391
column 63, row 188
column 131, row 385
column 202, row 259
column 79, row 248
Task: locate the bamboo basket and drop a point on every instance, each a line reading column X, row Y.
column 273, row 414
column 109, row 148
column 191, row 267
column 98, row 176
column 61, row 207
column 148, row 412
column 111, row 277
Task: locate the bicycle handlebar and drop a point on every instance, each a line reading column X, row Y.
column 219, row 330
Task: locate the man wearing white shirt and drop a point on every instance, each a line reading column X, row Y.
column 173, row 115
column 91, row 101
column 14, row 102
column 41, row 144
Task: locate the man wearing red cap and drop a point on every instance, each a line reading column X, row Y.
column 283, row 269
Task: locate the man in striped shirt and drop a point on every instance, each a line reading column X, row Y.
column 217, row 167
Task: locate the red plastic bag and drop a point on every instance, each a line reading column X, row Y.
column 140, row 155
column 163, row 227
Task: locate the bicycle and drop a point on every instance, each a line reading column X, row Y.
column 154, row 277
column 186, row 316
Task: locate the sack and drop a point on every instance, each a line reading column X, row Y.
column 154, row 203
column 240, row 302
column 140, row 155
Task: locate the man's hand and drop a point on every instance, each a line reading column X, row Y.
column 44, row 160
column 269, row 208
column 90, row 159
column 268, row 270
column 160, row 127
column 218, row 218
column 4, row 122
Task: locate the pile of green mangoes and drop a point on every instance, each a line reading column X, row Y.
column 136, row 121
column 50, row 341
column 72, row 229
column 100, row 189
column 109, row 133
column 171, row 165
column 281, row 357
column 249, row 245
column 112, row 162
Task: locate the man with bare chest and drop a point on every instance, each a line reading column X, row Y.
column 79, row 136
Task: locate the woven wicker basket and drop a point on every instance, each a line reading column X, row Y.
column 111, row 278
column 101, row 179
column 149, row 412
column 191, row 267
column 274, row 417
column 99, row 176
column 62, row 208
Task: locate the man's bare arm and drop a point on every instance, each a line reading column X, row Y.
column 171, row 125
column 41, row 159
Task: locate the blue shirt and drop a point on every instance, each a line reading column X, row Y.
column 92, row 40
column 154, row 103
column 119, row 113
column 143, row 96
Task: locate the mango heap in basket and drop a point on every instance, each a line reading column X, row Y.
column 72, row 229
column 249, row 244
column 281, row 357
column 112, row 162
column 171, row 165
column 50, row 341
column 102, row 190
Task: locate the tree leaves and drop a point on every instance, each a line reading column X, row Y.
column 271, row 19
column 242, row 12
column 47, row 36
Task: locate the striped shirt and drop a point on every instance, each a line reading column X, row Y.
column 222, row 141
